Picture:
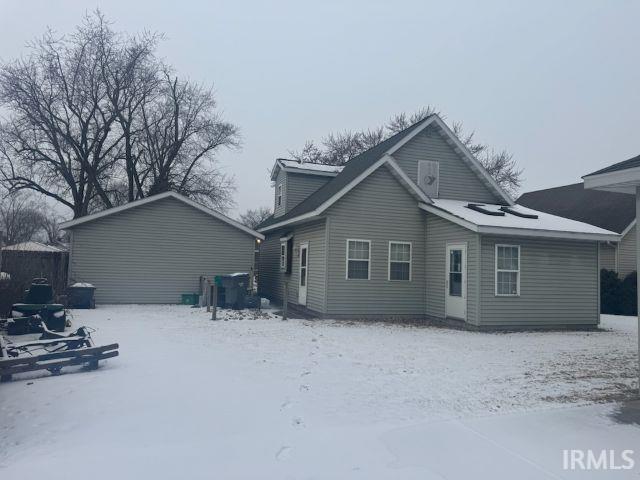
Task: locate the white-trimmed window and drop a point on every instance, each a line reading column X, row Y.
column 400, row 261
column 358, row 259
column 507, row 270
column 283, row 256
column 279, row 197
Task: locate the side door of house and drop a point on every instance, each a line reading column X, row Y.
column 304, row 273
column 456, row 281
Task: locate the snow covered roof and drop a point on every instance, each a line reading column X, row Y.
column 305, row 167
column 33, row 247
column 515, row 220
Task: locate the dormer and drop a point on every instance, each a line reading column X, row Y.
column 294, row 181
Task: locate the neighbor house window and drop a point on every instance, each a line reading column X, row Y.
column 358, row 259
column 279, row 200
column 400, row 261
column 507, row 270
column 283, row 256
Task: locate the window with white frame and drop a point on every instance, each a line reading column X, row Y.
column 279, row 199
column 358, row 259
column 507, row 270
column 400, row 261
column 283, row 256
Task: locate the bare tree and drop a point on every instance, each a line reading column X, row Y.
column 181, row 133
column 59, row 140
column 337, row 149
column 254, row 217
column 20, row 218
column 97, row 119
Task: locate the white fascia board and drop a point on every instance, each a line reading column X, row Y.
column 304, row 171
column 291, row 221
column 527, row 232
column 404, row 178
column 346, row 189
column 449, row 216
column 274, row 170
column 154, row 198
column 624, row 179
column 474, row 162
column 628, row 229
column 409, row 137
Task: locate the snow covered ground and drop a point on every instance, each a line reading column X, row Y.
column 266, row 398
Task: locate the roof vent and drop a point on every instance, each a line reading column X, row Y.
column 519, row 214
column 477, row 207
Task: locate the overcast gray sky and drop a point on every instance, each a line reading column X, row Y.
column 555, row 83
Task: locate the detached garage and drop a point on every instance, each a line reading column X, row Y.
column 153, row 250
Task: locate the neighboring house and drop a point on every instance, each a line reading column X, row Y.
column 415, row 228
column 153, row 250
column 609, row 210
column 28, row 260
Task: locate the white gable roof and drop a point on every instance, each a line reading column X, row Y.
column 155, row 198
column 305, row 167
column 546, row 225
column 33, row 247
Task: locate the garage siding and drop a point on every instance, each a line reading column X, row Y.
column 154, row 252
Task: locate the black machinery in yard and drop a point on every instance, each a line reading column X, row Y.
column 38, row 308
column 52, row 352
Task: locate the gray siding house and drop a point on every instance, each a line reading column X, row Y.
column 153, row 250
column 415, row 228
column 613, row 211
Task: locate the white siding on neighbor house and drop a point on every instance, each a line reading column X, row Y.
column 607, row 256
column 154, row 252
column 439, row 233
column 457, row 180
column 558, row 284
column 300, row 186
column 380, row 210
column 627, row 253
column 271, row 281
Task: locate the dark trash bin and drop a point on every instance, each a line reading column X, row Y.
column 81, row 295
column 232, row 290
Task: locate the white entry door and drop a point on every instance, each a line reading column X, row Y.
column 304, row 273
column 456, row 282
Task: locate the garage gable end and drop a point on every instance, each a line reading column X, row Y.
column 155, row 198
column 156, row 252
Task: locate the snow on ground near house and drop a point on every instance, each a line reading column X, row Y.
column 266, row 398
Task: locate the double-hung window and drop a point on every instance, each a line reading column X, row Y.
column 507, row 270
column 358, row 259
column 400, row 261
column 279, row 199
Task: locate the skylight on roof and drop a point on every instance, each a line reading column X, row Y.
column 501, row 211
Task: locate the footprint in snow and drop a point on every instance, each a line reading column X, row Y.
column 297, row 422
column 285, row 405
column 284, row 453
column 304, row 388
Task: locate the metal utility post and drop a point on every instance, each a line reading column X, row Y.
column 285, row 300
column 208, row 295
column 214, row 294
